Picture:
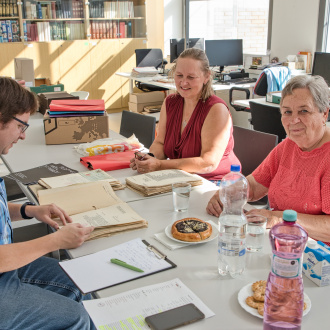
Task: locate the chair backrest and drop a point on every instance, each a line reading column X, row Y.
column 149, row 57
column 265, row 118
column 82, row 95
column 252, row 147
column 260, row 88
column 142, row 126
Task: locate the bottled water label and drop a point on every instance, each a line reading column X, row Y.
column 232, row 247
column 288, row 268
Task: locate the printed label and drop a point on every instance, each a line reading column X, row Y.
column 288, row 268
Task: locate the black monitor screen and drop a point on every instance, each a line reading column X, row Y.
column 321, row 66
column 149, row 57
column 224, row 52
column 177, row 46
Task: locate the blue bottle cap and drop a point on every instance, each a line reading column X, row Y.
column 290, row 215
column 235, row 168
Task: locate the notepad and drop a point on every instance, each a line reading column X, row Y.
column 95, row 271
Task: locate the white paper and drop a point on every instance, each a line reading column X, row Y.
column 95, row 271
column 129, row 309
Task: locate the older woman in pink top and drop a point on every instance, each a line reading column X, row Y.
column 296, row 174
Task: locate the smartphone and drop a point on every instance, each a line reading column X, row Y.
column 174, row 318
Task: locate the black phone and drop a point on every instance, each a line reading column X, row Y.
column 174, row 318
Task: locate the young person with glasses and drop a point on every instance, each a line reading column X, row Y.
column 34, row 291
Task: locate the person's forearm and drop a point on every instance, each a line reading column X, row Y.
column 15, row 211
column 317, row 226
column 158, row 150
column 16, row 255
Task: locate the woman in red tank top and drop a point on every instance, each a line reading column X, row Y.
column 195, row 126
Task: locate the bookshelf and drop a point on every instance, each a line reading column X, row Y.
column 89, row 64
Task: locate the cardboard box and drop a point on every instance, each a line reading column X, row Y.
column 47, row 89
column 148, row 97
column 61, row 130
column 138, row 107
column 274, row 97
column 24, row 70
column 316, row 265
column 295, row 65
column 41, row 81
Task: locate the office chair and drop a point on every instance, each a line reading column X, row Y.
column 142, row 126
column 266, row 118
column 251, row 148
column 150, row 57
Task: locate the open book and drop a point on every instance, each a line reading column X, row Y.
column 94, row 204
column 160, row 182
column 81, row 177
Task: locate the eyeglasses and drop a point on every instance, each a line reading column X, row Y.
column 25, row 125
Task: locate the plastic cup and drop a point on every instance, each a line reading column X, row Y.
column 181, row 194
column 256, row 229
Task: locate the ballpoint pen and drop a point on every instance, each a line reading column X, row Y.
column 124, row 264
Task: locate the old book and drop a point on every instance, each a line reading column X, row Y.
column 160, row 182
column 81, row 177
column 94, row 204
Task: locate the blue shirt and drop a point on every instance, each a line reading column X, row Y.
column 6, row 231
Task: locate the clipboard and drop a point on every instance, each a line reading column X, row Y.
column 94, row 272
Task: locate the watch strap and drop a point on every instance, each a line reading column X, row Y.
column 23, row 207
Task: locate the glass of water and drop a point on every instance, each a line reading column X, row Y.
column 256, row 229
column 181, row 194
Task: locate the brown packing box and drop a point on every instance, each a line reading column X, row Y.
column 148, row 97
column 138, row 107
column 61, row 130
column 24, row 70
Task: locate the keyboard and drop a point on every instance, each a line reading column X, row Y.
column 237, row 81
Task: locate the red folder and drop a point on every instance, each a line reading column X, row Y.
column 77, row 105
column 108, row 162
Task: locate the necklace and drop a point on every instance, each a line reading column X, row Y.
column 184, row 123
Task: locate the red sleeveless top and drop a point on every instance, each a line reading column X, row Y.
column 189, row 144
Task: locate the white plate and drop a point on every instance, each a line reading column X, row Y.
column 246, row 291
column 168, row 232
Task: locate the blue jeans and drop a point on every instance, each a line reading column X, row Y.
column 41, row 296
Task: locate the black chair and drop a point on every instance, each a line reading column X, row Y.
column 266, row 118
column 252, row 147
column 150, row 57
column 142, row 126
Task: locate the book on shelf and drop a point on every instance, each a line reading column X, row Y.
column 160, row 182
column 94, row 204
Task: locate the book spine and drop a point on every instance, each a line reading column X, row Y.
column 39, row 11
column 9, row 31
column 1, row 2
column 25, row 30
column 15, row 30
column 15, row 8
column 4, row 31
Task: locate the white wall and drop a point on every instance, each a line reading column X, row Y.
column 294, row 27
column 173, row 26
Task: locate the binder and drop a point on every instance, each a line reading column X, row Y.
column 95, row 271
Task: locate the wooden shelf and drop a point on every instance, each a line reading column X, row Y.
column 8, row 17
column 52, row 19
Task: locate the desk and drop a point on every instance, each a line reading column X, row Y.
column 197, row 265
column 262, row 100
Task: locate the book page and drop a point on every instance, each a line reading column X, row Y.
column 129, row 309
column 162, row 178
column 82, row 177
column 81, row 197
column 109, row 216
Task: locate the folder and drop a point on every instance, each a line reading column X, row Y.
column 77, row 105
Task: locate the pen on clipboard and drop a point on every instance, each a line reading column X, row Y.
column 126, row 265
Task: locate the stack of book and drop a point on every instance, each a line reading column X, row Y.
column 9, row 31
column 160, row 182
column 147, row 71
column 74, row 108
column 94, row 204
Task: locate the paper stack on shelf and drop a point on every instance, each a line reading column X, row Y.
column 160, row 182
column 147, row 71
column 94, row 204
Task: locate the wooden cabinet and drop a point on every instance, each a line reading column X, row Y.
column 87, row 63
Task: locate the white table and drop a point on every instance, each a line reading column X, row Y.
column 197, row 264
column 262, row 100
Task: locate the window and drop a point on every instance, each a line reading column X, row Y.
column 231, row 19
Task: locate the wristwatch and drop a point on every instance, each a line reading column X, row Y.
column 23, row 214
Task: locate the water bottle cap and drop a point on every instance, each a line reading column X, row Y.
column 290, row 215
column 235, row 168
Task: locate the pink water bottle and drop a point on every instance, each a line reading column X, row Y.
column 284, row 297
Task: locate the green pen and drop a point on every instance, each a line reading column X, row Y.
column 124, row 264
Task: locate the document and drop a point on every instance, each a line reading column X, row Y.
column 160, row 181
column 95, row 271
column 129, row 309
column 94, row 204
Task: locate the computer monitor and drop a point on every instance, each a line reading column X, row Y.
column 224, row 52
column 149, row 57
column 177, row 46
column 321, row 66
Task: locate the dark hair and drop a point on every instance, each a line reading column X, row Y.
column 199, row 55
column 15, row 100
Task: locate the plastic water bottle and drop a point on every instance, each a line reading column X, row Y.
column 284, row 297
column 232, row 223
